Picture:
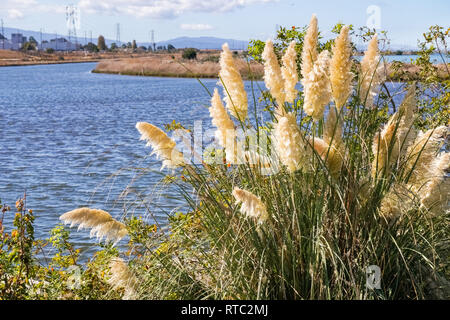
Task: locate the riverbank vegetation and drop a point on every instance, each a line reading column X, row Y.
column 337, row 191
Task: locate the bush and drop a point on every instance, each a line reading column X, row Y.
column 189, row 54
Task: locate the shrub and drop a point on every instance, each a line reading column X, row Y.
column 189, row 54
column 344, row 185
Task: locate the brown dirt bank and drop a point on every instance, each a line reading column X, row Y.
column 18, row 58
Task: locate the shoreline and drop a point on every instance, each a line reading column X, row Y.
column 47, row 63
column 152, row 67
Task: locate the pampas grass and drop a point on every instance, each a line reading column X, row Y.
column 317, row 87
column 273, row 77
column 391, row 142
column 288, row 142
column 122, row 277
column 252, row 206
column 101, row 223
column 309, row 52
column 220, row 119
column 371, row 73
column 289, row 72
column 162, row 145
column 350, row 192
column 340, row 68
column 231, row 80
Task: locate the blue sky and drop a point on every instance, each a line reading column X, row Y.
column 404, row 20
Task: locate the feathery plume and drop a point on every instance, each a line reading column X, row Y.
column 309, row 52
column 332, row 156
column 340, row 68
column 101, row 223
column 122, row 277
column 317, row 87
column 421, row 154
column 390, row 144
column 436, row 193
column 235, row 94
column 162, row 145
column 371, row 73
column 252, row 206
column 272, row 76
column 396, row 201
column 289, row 72
column 288, row 142
column 220, row 119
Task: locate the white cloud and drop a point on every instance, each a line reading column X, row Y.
column 17, row 9
column 162, row 8
column 15, row 14
column 196, row 26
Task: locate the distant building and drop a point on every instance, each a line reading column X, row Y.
column 17, row 40
column 59, row 44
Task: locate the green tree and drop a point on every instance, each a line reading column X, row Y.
column 28, row 46
column 170, row 48
column 190, row 54
column 33, row 40
column 101, row 44
column 134, row 45
column 113, row 46
column 91, row 47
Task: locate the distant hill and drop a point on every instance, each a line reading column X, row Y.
column 179, row 43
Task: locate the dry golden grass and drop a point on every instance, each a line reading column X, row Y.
column 166, row 66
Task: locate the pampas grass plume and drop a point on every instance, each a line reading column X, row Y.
column 235, row 94
column 162, row 145
column 309, row 52
column 100, row 222
column 252, row 206
column 122, row 277
column 317, row 87
column 340, row 68
column 289, row 72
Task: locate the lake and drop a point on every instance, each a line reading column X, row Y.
column 68, row 138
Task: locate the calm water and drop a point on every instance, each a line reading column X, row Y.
column 68, row 138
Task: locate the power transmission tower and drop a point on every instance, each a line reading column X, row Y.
column 153, row 40
column 3, row 36
column 118, row 34
column 72, row 20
